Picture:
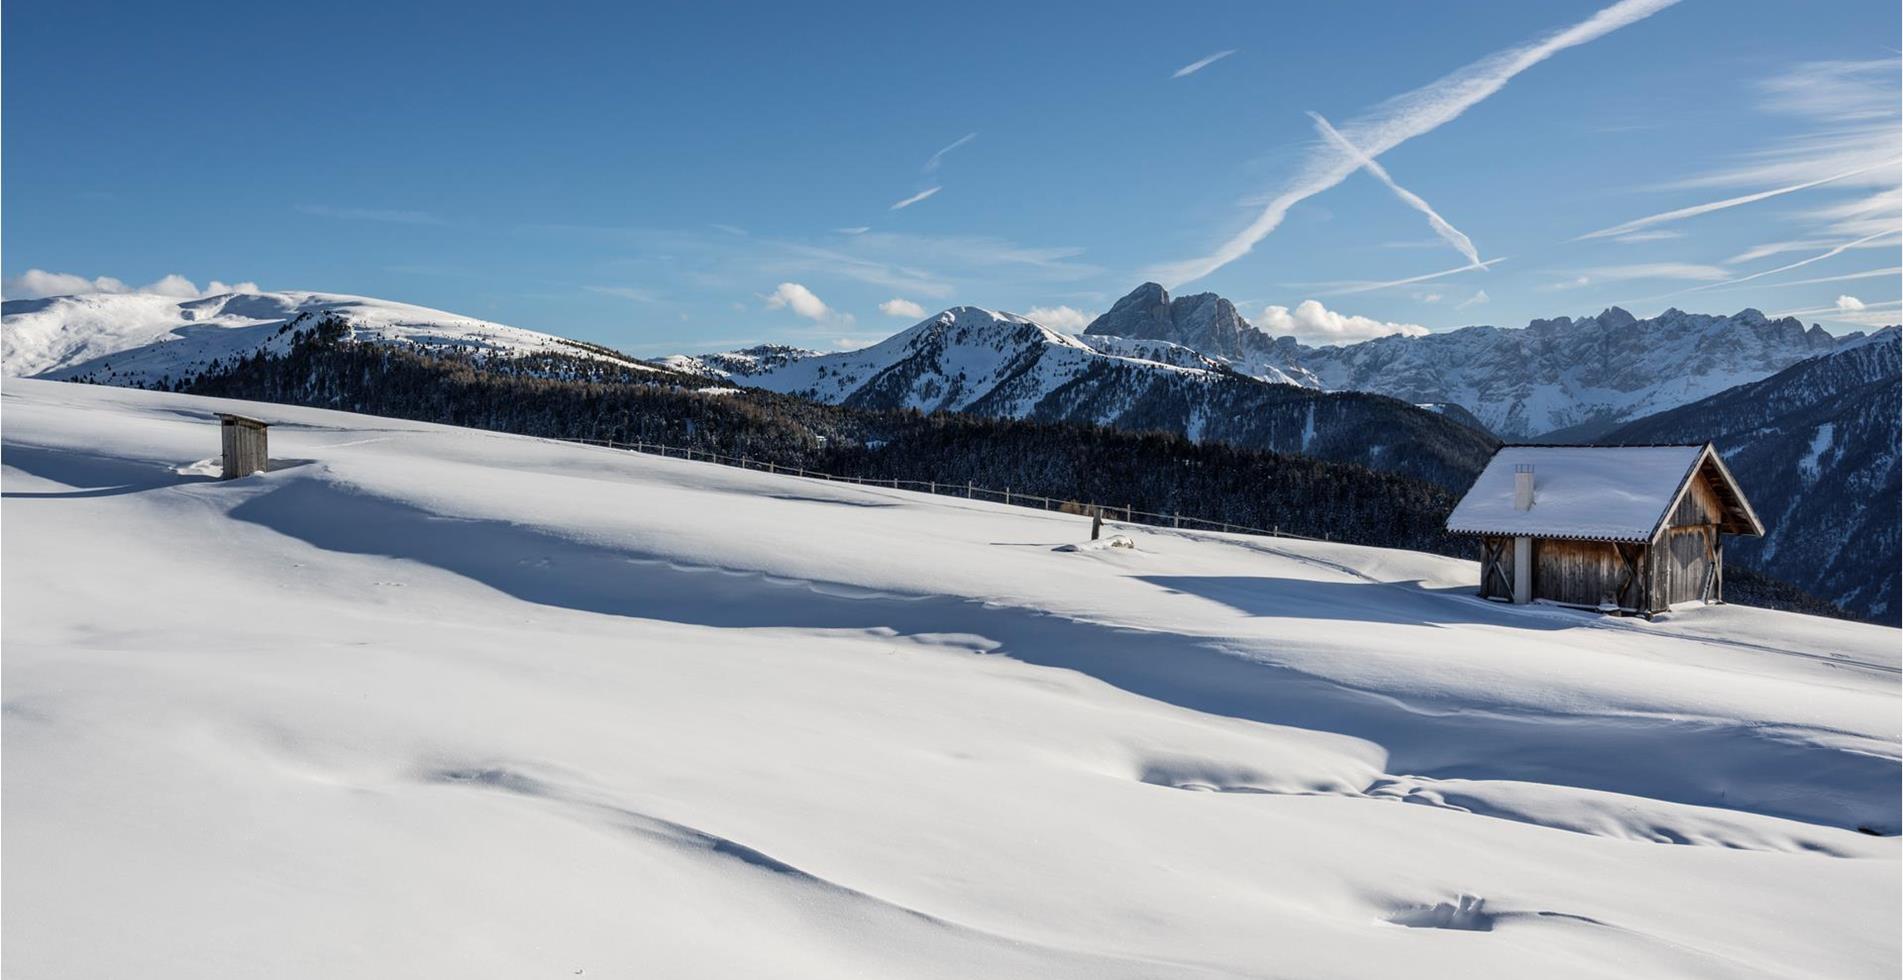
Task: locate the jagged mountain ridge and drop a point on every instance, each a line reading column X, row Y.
column 968, row 359
column 150, row 340
column 1558, row 379
column 1816, row 448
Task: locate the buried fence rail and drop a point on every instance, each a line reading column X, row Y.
column 1126, row 513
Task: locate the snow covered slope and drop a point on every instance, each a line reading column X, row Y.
column 968, row 359
column 428, row 701
column 145, row 338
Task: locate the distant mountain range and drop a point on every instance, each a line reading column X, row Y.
column 1816, row 448
column 1553, row 380
column 1808, row 421
column 973, row 360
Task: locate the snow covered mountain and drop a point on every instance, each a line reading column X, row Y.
column 1558, row 380
column 1816, row 448
column 145, row 339
column 974, row 360
column 427, row 701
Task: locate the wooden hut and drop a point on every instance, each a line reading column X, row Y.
column 245, row 447
column 1629, row 529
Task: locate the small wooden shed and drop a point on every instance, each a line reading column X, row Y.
column 246, row 449
column 1630, row 529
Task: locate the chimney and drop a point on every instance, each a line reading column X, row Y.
column 1523, row 486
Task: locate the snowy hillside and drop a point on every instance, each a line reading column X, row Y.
column 973, row 360
column 145, row 338
column 1560, row 379
column 431, row 701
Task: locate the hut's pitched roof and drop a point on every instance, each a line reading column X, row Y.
column 1598, row 493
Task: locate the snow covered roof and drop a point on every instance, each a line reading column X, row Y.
column 1602, row 493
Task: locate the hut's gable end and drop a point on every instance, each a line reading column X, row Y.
column 1700, row 505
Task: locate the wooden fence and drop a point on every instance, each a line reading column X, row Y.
column 1120, row 512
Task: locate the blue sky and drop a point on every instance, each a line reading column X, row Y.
column 661, row 178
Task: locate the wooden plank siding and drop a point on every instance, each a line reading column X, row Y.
column 245, row 449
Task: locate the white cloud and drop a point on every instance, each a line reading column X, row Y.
column 1311, row 321
column 1479, row 298
column 902, row 307
column 1402, row 118
column 1201, row 63
column 1447, row 232
column 39, row 284
column 799, row 299
column 914, row 199
column 855, row 230
column 1063, row 319
column 1849, row 304
column 1429, row 297
column 174, row 285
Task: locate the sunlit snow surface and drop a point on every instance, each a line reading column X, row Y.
column 435, row 702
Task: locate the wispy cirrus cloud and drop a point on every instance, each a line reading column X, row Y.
column 1693, row 211
column 634, row 293
column 1447, row 232
column 1400, row 119
column 1829, row 253
column 1848, row 143
column 385, row 215
column 1201, row 63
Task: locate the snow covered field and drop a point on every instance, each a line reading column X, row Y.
column 436, row 702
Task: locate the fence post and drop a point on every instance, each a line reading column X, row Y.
column 769, row 466
column 967, row 489
column 1126, row 514
column 1007, row 496
column 1178, row 519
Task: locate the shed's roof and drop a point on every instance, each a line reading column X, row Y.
column 1603, row 493
column 232, row 418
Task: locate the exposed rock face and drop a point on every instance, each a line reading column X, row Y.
column 1558, row 379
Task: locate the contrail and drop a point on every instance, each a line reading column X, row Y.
column 1460, row 242
column 1367, row 287
column 1404, row 117
column 1835, row 251
column 914, row 199
column 932, row 164
column 1730, row 202
column 1196, row 66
